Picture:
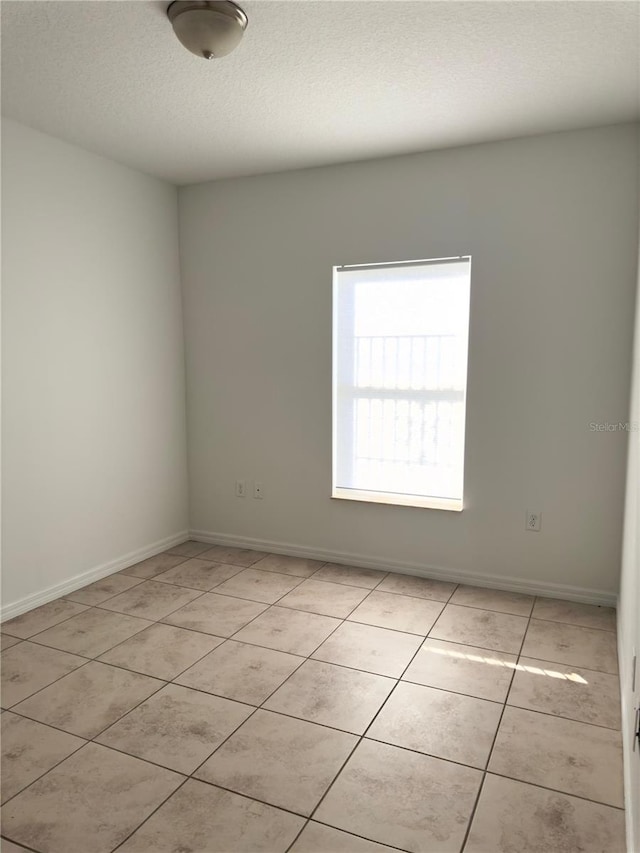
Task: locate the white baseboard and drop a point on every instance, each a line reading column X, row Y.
column 8, row 611
column 365, row 561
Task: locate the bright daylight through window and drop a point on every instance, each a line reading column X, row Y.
column 400, row 335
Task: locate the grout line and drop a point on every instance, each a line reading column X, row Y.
column 472, row 814
column 357, row 835
column 562, row 717
column 85, row 661
column 574, row 625
column 148, row 674
column 399, row 630
column 245, row 597
column 55, row 624
column 298, row 834
column 245, row 797
column 126, row 570
column 164, row 615
column 495, row 736
column 109, row 597
column 148, row 817
column 488, row 609
column 133, row 755
column 6, row 838
column 95, row 657
column 577, row 667
column 384, row 574
column 53, row 766
column 362, row 736
column 49, row 726
column 420, row 751
column 556, row 791
column 175, row 553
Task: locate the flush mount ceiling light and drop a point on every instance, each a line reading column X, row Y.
column 208, row 29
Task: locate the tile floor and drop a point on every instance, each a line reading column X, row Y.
column 218, row 700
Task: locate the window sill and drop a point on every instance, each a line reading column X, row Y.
column 390, row 498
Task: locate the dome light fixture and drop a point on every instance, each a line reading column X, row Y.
column 208, row 29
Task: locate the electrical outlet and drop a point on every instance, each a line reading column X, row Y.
column 241, row 488
column 258, row 491
column 533, row 520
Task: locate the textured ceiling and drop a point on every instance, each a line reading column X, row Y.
column 315, row 82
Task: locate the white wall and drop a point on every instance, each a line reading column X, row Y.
column 551, row 223
column 629, row 605
column 94, row 453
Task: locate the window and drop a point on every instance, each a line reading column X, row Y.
column 400, row 334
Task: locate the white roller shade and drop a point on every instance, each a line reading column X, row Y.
column 400, row 334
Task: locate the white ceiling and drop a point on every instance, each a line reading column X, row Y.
column 315, row 82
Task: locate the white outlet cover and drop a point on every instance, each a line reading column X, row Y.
column 533, row 520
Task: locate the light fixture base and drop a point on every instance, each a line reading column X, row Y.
column 208, row 28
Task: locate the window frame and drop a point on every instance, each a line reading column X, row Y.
column 387, row 497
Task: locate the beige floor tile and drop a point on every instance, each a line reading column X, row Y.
column 463, row 669
column 288, row 630
column 585, row 615
column 393, row 796
column 6, row 641
column 235, row 556
column 399, row 612
column 445, row 725
column 88, row 700
column 176, row 727
column 216, row 614
column 27, row 668
column 493, row 599
column 162, row 651
column 279, row 760
column 371, row 649
column 151, row 600
column 350, row 575
column 571, row 645
column 297, row 566
column 576, row 693
column 328, row 599
column 41, row 618
column 241, row 672
column 571, row 757
column 189, row 549
column 92, row 632
column 482, row 628
column 96, row 593
column 153, row 566
column 332, row 696
column 417, row 587
column 318, row 838
column 512, row 817
column 204, row 819
column 266, row 587
column 90, row 802
column 29, row 750
column 198, row 574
